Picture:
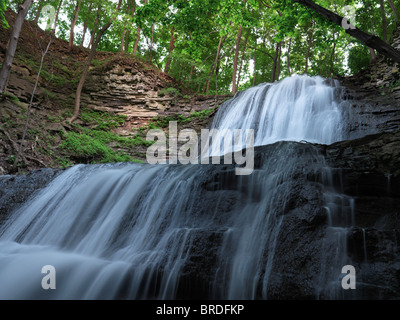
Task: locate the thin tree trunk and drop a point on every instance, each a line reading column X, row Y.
column 73, row 23
column 392, row 5
column 372, row 54
column 39, row 10
column 152, row 42
column 85, row 25
column 278, row 66
column 365, row 38
column 132, row 9
column 123, row 38
column 171, row 48
column 242, row 58
column 220, row 44
column 208, row 80
column 13, row 42
column 135, row 46
column 96, row 23
column 310, row 43
column 275, row 63
column 384, row 22
column 235, row 61
column 255, row 65
column 56, row 17
column 87, row 65
column 191, row 75
column 288, row 57
column 332, row 57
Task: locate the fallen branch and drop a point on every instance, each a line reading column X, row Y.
column 35, row 160
column 14, row 145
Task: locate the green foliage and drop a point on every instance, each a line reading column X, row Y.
column 3, row 7
column 87, row 148
column 11, row 97
column 11, row 159
column 169, row 91
column 104, row 120
column 358, row 58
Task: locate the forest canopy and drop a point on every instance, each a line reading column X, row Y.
column 219, row 46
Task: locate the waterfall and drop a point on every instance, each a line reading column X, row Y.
column 296, row 108
column 138, row 231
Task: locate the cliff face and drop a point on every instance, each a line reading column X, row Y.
column 125, row 86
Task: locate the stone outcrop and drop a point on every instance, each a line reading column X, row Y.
column 16, row 189
column 124, row 86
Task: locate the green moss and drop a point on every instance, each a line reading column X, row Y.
column 11, row 97
column 170, row 91
column 163, row 121
column 105, row 121
column 85, row 148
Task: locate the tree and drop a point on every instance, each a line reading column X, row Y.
column 235, row 61
column 88, row 62
column 73, row 23
column 85, row 24
column 12, row 46
column 365, row 38
column 56, row 17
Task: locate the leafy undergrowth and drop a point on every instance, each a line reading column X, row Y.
column 95, row 142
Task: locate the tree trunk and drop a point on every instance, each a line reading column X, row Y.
column 384, row 22
column 136, row 41
column 392, row 5
column 96, row 23
column 12, row 45
column 152, row 42
column 85, row 25
column 278, row 66
column 73, row 23
column 372, row 54
column 206, row 87
column 365, row 38
column 220, row 44
column 235, row 61
column 310, row 43
column 275, row 63
column 171, row 48
column 123, row 39
column 242, row 58
column 255, row 66
column 56, row 17
column 288, row 57
column 132, row 9
column 332, row 57
column 87, row 65
column 39, row 10
column 191, row 75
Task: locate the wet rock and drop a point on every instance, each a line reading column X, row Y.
column 16, row 189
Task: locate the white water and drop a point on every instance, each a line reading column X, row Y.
column 129, row 230
column 296, row 108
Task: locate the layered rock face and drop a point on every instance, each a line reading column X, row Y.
column 125, row 87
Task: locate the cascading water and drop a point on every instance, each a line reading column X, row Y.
column 132, row 231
